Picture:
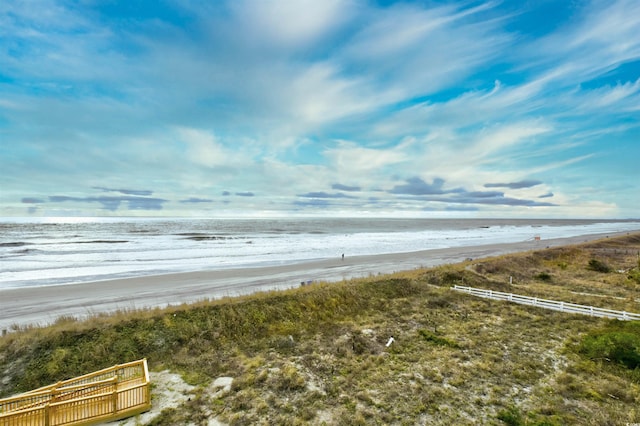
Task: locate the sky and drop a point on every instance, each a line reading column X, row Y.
column 526, row 109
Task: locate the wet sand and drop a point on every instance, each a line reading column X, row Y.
column 43, row 305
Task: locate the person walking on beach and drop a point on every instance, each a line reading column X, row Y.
column 342, row 256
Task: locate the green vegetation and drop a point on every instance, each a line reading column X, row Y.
column 437, row 340
column 544, row 276
column 599, row 266
column 317, row 354
column 511, row 416
column 618, row 343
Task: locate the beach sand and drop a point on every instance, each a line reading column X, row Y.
column 43, row 305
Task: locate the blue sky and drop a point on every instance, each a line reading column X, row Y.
column 340, row 107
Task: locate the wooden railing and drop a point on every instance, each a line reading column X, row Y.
column 106, row 395
column 549, row 304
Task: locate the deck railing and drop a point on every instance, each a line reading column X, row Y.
column 110, row 394
column 549, row 304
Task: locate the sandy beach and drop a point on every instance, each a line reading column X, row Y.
column 43, row 305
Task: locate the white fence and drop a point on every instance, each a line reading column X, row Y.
column 571, row 308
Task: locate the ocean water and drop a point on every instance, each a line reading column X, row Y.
column 52, row 251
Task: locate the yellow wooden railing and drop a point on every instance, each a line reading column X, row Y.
column 106, row 395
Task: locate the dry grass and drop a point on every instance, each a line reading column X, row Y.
column 318, row 354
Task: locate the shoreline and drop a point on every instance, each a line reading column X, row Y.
column 43, row 305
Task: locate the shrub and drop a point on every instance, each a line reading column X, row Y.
column 634, row 275
column 599, row 266
column 544, row 276
column 511, row 416
column 290, row 379
column 441, row 300
column 452, row 277
column 437, row 340
column 619, row 344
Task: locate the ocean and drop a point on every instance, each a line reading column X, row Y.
column 53, row 251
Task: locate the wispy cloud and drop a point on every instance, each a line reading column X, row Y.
column 125, row 191
column 196, row 200
column 31, row 200
column 113, row 203
column 348, row 188
column 416, row 186
column 435, row 192
column 514, row 185
column 324, row 195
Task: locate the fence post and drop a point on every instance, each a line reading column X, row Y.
column 591, row 310
column 114, row 395
column 561, row 306
column 147, row 393
column 49, row 411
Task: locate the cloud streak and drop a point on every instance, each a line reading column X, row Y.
column 514, row 185
column 141, row 192
column 435, row 192
column 113, row 203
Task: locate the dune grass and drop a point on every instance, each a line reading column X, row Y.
column 317, row 354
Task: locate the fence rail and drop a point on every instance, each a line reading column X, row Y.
column 110, row 394
column 549, row 304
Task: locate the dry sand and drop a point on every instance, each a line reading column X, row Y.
column 43, row 305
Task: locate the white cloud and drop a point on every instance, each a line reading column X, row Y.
column 205, row 149
column 290, row 23
column 418, row 51
column 492, row 141
column 11, row 104
column 461, row 157
column 559, row 164
column 612, row 25
column 621, row 97
column 602, row 37
column 498, row 104
column 57, row 47
column 352, row 161
column 320, row 95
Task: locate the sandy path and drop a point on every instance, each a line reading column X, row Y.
column 43, row 305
